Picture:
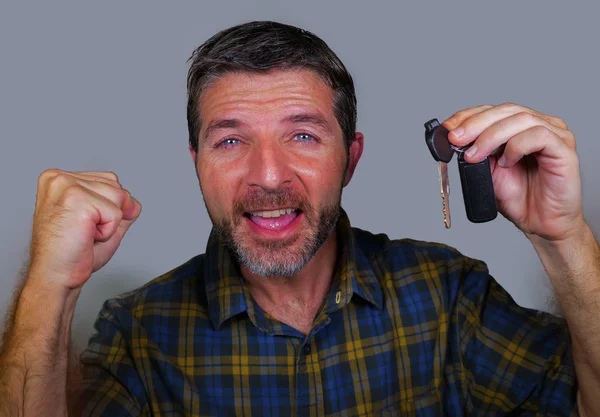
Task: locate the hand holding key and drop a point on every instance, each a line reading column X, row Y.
column 535, row 170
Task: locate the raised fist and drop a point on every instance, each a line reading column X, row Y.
column 80, row 219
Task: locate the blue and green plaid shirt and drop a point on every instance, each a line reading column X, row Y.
column 408, row 328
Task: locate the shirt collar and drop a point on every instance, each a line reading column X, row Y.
column 356, row 271
column 227, row 295
column 224, row 285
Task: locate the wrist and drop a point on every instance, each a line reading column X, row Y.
column 43, row 317
column 47, row 284
column 573, row 262
column 43, row 274
column 46, row 301
column 577, row 233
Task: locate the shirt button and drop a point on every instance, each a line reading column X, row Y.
column 307, row 349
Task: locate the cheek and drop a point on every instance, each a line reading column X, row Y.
column 322, row 176
column 219, row 183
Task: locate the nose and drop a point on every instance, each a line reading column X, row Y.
column 269, row 167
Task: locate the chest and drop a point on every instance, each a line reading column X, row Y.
column 359, row 361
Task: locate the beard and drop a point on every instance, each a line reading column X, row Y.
column 284, row 257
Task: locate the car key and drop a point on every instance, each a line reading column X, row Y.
column 476, row 179
column 478, row 189
column 436, row 137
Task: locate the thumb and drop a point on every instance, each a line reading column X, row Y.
column 131, row 211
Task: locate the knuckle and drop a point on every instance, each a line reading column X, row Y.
column 570, row 139
column 108, row 182
column 557, row 121
column 72, row 191
column 46, row 175
column 50, row 172
column 524, row 117
column 542, row 131
column 510, row 147
column 509, row 106
column 70, row 196
column 458, row 115
column 114, row 177
column 59, row 181
column 461, row 113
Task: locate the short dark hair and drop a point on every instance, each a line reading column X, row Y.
column 262, row 46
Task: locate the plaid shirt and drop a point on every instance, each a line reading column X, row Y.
column 408, row 328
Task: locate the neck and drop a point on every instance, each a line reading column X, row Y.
column 296, row 299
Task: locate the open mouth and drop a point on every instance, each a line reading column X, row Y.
column 277, row 219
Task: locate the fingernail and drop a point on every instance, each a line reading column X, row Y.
column 502, row 161
column 471, row 151
column 458, row 132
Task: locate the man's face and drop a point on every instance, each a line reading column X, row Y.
column 271, row 161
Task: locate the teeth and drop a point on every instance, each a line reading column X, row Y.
column 273, row 213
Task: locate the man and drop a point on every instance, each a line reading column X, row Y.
column 291, row 311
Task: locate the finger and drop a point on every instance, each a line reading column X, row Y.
column 53, row 182
column 122, row 228
column 503, row 130
column 120, row 197
column 99, row 176
column 535, row 139
column 109, row 175
column 131, row 208
column 46, row 176
column 108, row 217
column 473, row 126
column 92, row 207
column 66, row 177
column 457, row 118
column 558, row 122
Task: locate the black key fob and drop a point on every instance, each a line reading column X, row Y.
column 477, row 189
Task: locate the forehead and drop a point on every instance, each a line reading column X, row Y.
column 268, row 93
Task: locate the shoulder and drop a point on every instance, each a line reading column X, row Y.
column 408, row 267
column 408, row 253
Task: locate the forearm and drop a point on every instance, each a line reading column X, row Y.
column 574, row 269
column 35, row 356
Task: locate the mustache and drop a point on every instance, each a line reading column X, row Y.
column 258, row 199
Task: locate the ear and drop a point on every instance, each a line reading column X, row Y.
column 193, row 153
column 354, row 154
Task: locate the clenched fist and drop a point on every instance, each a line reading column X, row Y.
column 79, row 221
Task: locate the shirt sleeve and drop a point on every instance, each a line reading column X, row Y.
column 111, row 385
column 514, row 360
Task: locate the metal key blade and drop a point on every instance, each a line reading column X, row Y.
column 445, row 192
column 436, row 138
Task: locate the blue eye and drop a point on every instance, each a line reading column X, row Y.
column 304, row 137
column 228, row 143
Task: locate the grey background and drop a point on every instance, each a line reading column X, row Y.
column 102, row 87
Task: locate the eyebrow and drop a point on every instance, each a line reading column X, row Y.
column 312, row 118
column 221, row 124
